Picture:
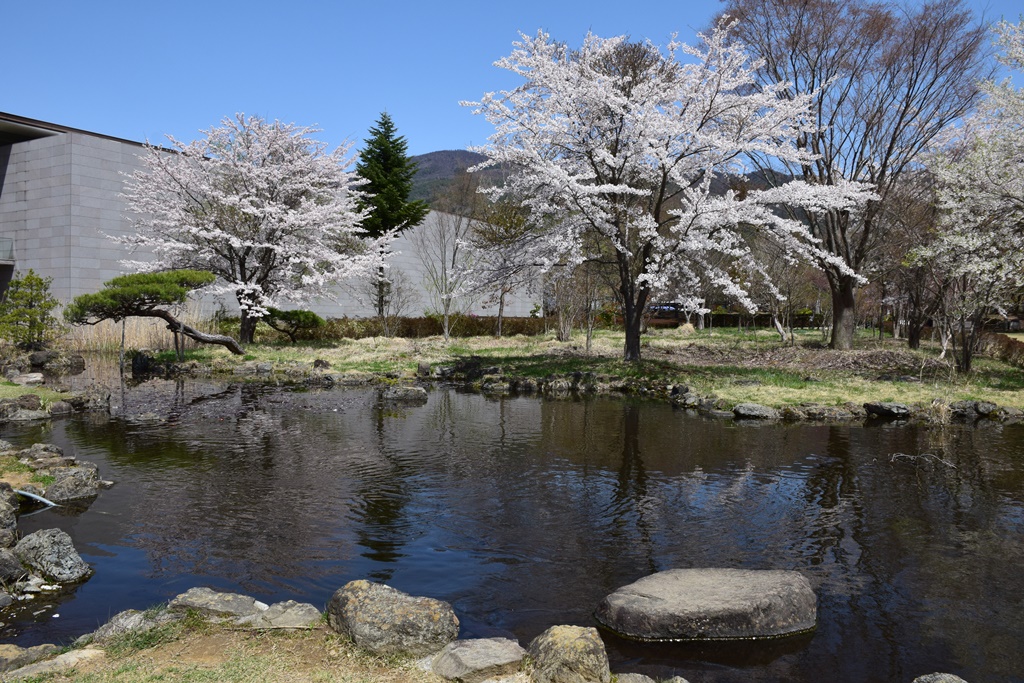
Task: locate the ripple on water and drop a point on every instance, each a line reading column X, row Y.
column 525, row 513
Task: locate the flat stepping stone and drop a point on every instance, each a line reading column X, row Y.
column 215, row 604
column 711, row 604
column 479, row 659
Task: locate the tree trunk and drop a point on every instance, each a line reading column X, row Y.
column 779, row 329
column 175, row 326
column 634, row 298
column 446, row 320
column 844, row 312
column 501, row 310
column 966, row 355
column 382, row 293
column 247, row 328
column 121, row 357
column 632, row 319
column 914, row 335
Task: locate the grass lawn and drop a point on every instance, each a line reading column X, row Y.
column 734, row 365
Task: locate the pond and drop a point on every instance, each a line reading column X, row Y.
column 525, row 512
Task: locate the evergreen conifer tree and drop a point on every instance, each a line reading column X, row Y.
column 388, row 171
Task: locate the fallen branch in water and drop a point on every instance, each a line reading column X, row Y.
column 895, row 457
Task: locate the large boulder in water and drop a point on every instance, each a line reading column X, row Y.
column 11, row 569
column 569, row 654
column 711, row 604
column 384, row 620
column 74, row 483
column 51, row 553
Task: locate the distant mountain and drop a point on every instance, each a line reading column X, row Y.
column 436, row 170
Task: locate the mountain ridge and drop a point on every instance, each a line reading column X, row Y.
column 435, row 172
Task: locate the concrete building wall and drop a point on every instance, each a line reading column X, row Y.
column 60, row 198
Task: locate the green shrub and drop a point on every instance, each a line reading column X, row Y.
column 26, row 312
column 295, row 324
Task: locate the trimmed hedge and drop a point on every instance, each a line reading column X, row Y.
column 336, row 329
column 429, row 326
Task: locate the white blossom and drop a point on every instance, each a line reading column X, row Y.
column 621, row 149
column 979, row 247
column 269, row 211
column 981, row 172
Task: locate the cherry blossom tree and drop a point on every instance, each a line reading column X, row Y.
column 272, row 213
column 620, row 150
column 980, row 169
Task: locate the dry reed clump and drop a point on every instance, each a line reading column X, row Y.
column 139, row 333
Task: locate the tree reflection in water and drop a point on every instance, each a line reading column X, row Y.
column 525, row 512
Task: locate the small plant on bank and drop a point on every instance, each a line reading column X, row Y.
column 26, row 312
column 43, row 480
column 11, row 465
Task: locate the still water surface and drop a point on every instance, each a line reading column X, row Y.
column 524, row 513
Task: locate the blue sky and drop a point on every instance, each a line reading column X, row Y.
column 142, row 69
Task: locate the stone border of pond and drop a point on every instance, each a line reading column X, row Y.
column 379, row 620
column 475, row 375
column 44, row 561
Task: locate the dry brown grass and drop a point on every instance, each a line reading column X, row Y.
column 139, row 333
column 230, row 656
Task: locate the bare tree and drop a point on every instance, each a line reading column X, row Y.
column 913, row 287
column 442, row 245
column 392, row 295
column 503, row 264
column 576, row 295
column 885, row 81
